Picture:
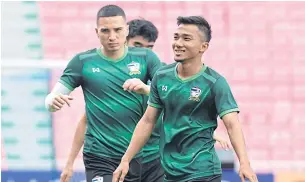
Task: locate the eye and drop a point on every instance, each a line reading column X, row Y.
column 104, row 30
column 187, row 39
column 118, row 29
column 137, row 44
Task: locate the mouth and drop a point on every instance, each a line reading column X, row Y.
column 178, row 52
column 113, row 44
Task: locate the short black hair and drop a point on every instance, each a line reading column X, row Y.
column 144, row 28
column 202, row 24
column 110, row 10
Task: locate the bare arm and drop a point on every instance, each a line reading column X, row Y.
column 78, row 140
column 142, row 132
column 235, row 132
column 236, row 135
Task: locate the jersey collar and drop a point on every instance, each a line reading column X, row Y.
column 190, row 78
column 99, row 52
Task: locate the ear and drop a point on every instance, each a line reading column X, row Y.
column 127, row 30
column 96, row 31
column 204, row 47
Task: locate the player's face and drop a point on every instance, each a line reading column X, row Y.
column 140, row 41
column 187, row 43
column 112, row 32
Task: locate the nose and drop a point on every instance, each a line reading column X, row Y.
column 178, row 43
column 112, row 36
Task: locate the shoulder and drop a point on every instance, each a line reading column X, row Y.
column 138, row 51
column 144, row 53
column 166, row 69
column 87, row 54
column 211, row 75
column 218, row 82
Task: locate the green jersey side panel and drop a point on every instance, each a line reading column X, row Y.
column 112, row 113
column 191, row 108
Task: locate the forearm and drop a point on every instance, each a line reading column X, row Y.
column 58, row 89
column 78, row 140
column 238, row 142
column 139, row 138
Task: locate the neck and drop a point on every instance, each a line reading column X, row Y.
column 189, row 68
column 114, row 54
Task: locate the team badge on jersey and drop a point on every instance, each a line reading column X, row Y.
column 134, row 68
column 97, row 179
column 195, row 94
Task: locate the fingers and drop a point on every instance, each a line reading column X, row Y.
column 242, row 177
column 116, row 175
column 66, row 99
column 119, row 175
column 253, row 178
column 129, row 83
column 132, row 84
column 226, row 146
column 137, row 88
column 56, row 105
column 123, row 174
column 63, row 177
column 132, row 87
column 223, row 146
column 126, row 85
column 68, row 178
column 59, row 100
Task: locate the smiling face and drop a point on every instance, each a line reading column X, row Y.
column 188, row 42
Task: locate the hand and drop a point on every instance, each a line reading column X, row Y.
column 66, row 174
column 120, row 172
column 224, row 144
column 246, row 172
column 136, row 85
column 59, row 101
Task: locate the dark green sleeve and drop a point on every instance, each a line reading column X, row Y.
column 72, row 76
column 153, row 63
column 154, row 99
column 224, row 99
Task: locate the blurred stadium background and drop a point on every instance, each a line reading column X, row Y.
column 257, row 46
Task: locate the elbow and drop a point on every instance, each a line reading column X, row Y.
column 147, row 122
column 233, row 127
column 230, row 131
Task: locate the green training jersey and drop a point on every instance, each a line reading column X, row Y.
column 191, row 108
column 151, row 150
column 112, row 113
